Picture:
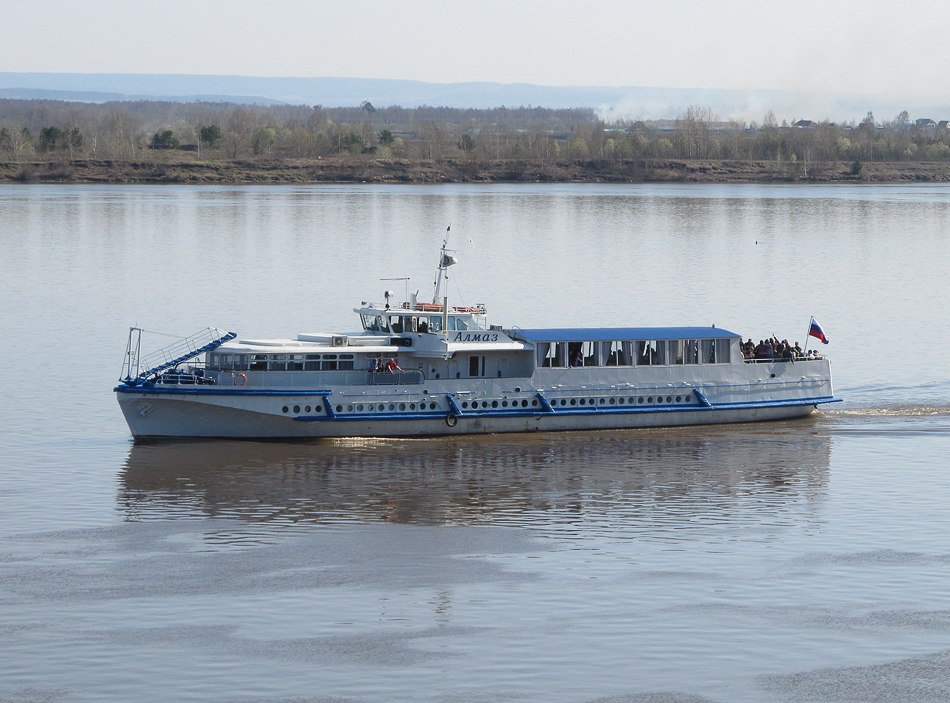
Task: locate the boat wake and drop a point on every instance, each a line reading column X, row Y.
column 905, row 410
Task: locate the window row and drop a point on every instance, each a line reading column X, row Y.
column 653, row 352
column 282, row 362
column 411, row 323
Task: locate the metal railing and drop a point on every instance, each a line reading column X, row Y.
column 141, row 366
column 394, row 378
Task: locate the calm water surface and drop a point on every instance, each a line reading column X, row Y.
column 800, row 561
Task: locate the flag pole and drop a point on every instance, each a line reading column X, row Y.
column 807, row 335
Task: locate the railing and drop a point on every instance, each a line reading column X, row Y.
column 196, row 378
column 395, row 378
column 783, row 360
column 138, row 367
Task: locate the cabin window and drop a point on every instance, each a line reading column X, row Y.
column 259, row 362
column 295, row 362
column 552, row 354
column 589, row 352
column 648, row 353
column 581, row 354
column 722, row 351
column 676, row 351
column 714, row 351
column 691, row 351
column 616, row 353
column 541, row 350
column 575, row 357
column 435, row 324
column 376, row 323
column 235, row 362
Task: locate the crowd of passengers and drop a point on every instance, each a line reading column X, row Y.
column 773, row 350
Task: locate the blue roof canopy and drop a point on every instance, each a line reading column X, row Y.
column 610, row 334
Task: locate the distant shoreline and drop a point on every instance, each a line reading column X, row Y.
column 342, row 169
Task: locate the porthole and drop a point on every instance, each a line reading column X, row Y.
column 296, row 409
column 412, row 406
column 339, row 408
column 504, row 403
column 524, row 403
column 534, row 403
column 402, row 406
column 464, row 404
column 603, row 401
column 349, row 408
column 306, row 409
column 679, row 399
column 583, row 401
column 639, row 400
column 432, row 406
column 659, row 399
column 669, row 399
column 573, row 401
column 285, row 409
column 494, row 403
column 591, row 401
column 360, row 407
column 392, row 406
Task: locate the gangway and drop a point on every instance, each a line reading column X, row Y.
column 137, row 369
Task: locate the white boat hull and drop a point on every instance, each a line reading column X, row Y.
column 286, row 415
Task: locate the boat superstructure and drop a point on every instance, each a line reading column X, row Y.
column 429, row 368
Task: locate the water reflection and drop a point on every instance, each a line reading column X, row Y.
column 656, row 481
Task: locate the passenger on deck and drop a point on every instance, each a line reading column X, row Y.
column 374, row 364
column 392, row 366
column 577, row 359
column 423, row 326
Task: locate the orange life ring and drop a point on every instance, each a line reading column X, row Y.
column 243, row 378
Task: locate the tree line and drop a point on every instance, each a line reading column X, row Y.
column 32, row 130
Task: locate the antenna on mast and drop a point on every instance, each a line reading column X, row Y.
column 445, row 260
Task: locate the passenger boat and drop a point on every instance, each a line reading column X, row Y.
column 429, row 368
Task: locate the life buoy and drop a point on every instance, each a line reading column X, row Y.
column 451, row 420
column 239, row 379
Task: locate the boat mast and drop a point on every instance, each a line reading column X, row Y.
column 445, row 260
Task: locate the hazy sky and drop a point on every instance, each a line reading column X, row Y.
column 867, row 46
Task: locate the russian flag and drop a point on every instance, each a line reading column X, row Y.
column 816, row 331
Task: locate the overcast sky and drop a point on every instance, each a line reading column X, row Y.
column 867, row 46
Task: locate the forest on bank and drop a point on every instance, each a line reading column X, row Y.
column 154, row 132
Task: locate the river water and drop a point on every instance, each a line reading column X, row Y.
column 798, row 561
